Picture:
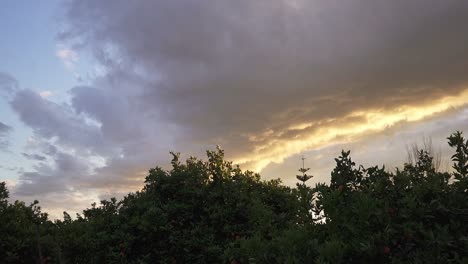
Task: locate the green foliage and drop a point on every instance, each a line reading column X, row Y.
column 23, row 229
column 373, row 216
column 460, row 157
column 213, row 212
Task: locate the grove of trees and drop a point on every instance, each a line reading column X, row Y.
column 213, row 212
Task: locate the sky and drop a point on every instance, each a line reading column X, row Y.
column 94, row 93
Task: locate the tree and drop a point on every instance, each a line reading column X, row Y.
column 213, row 212
column 414, row 152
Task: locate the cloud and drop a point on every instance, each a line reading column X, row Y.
column 34, row 156
column 4, row 128
column 386, row 148
column 4, row 131
column 37, row 143
column 67, row 56
column 51, row 120
column 63, row 133
column 8, row 84
column 266, row 80
column 45, row 94
column 231, row 73
column 64, row 175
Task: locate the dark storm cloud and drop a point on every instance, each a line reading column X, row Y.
column 222, row 69
column 186, row 75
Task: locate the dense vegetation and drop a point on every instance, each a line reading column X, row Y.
column 213, row 212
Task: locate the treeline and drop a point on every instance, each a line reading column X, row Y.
column 213, row 212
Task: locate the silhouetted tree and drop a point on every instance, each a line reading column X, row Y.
column 213, row 212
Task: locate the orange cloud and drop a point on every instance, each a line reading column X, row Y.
column 342, row 130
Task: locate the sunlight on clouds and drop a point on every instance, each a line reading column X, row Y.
column 338, row 131
column 76, row 200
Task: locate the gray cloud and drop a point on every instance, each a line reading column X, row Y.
column 34, row 156
column 4, row 131
column 4, row 128
column 222, row 70
column 51, row 120
column 8, row 84
column 101, row 138
column 62, row 176
column 186, row 75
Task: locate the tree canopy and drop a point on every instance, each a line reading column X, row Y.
column 210, row 211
